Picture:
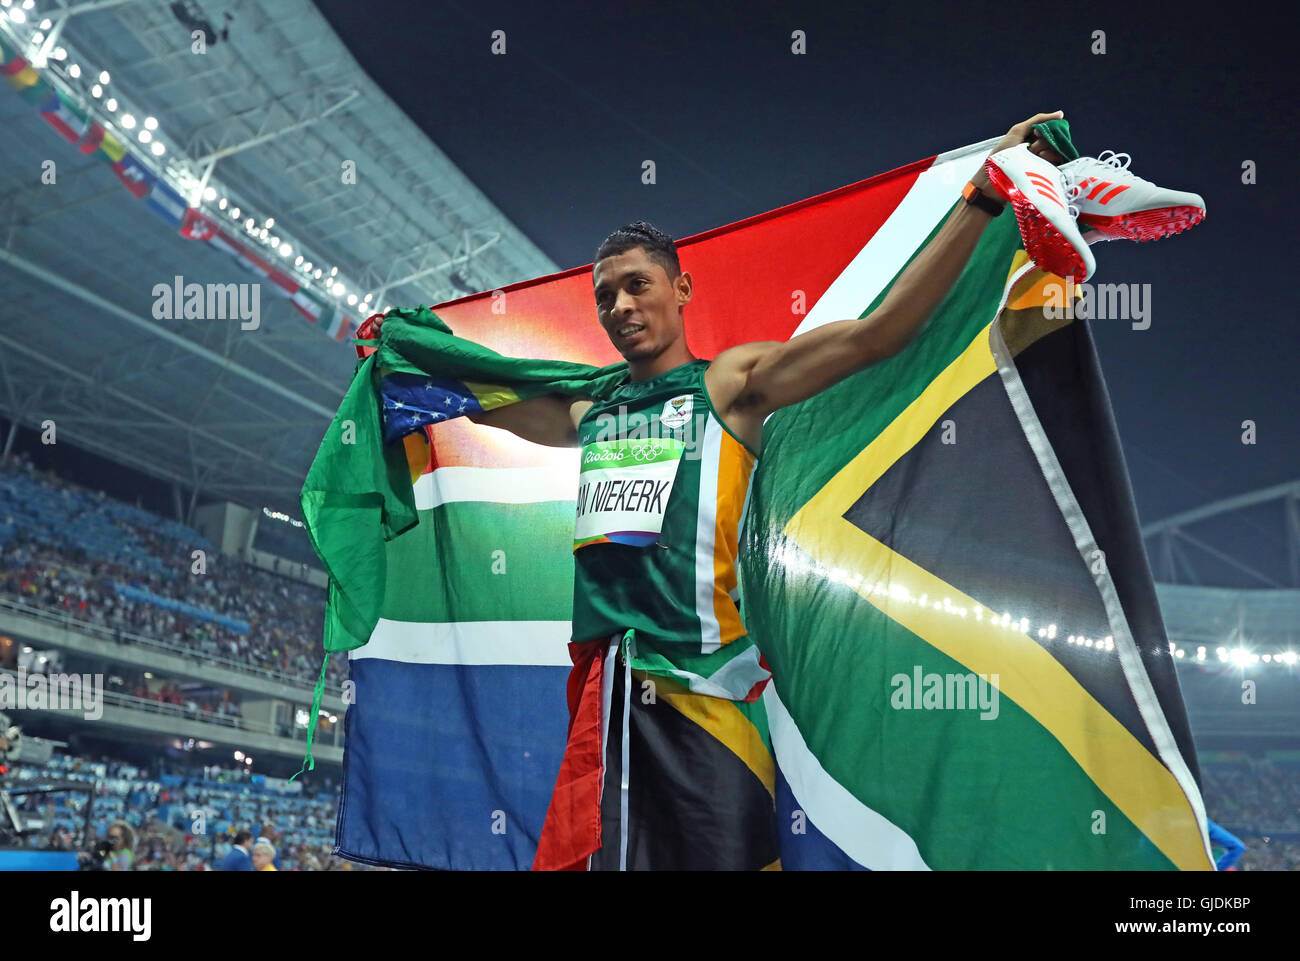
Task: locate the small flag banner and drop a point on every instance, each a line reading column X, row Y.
column 72, row 124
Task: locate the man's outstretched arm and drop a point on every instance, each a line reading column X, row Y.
column 752, row 380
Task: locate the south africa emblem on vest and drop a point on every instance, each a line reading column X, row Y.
column 676, row 412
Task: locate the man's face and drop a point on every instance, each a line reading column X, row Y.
column 638, row 305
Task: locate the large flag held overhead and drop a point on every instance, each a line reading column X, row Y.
column 940, row 564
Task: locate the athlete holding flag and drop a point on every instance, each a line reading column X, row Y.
column 655, row 774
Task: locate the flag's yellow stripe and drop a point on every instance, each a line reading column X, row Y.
column 723, row 720
column 1135, row 780
column 492, row 396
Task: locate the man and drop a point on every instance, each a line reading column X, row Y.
column 239, row 859
column 263, row 856
column 666, row 463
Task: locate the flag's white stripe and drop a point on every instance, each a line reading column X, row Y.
column 520, row 643
column 706, row 526
column 519, row 485
column 867, row 837
column 887, row 251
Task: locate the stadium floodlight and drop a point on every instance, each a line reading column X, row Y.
column 97, row 91
column 128, row 121
column 38, row 37
column 157, row 148
column 333, row 271
column 352, row 300
column 28, row 4
column 46, row 23
column 307, row 267
column 151, row 123
column 144, row 136
column 234, row 212
column 209, row 194
column 297, row 261
column 338, row 289
column 262, row 233
column 368, row 297
column 74, row 71
column 103, row 76
column 285, row 249
column 110, row 104
column 239, row 755
column 275, row 241
column 249, row 223
column 270, row 222
column 60, row 53
column 17, row 16
column 221, row 204
column 316, row 274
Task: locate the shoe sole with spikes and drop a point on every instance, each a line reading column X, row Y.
column 1046, row 245
column 1141, row 225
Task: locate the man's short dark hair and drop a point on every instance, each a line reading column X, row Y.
column 243, row 837
column 658, row 246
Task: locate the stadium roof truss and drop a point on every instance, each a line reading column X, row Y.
column 270, row 117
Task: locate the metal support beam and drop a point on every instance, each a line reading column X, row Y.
column 272, row 135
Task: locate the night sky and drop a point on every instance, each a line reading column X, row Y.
column 555, row 132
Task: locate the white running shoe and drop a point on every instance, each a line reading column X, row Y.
column 1037, row 191
column 1116, row 204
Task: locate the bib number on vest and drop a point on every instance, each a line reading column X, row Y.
column 623, row 490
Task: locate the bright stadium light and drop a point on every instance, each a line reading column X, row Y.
column 333, row 271
column 316, row 274
column 60, row 53
column 275, row 241
column 234, row 213
column 144, row 136
column 110, row 104
column 38, row 37
column 151, row 123
column 209, row 194
column 249, row 223
column 128, row 121
column 338, row 289
column 157, row 148
column 46, row 23
column 297, row 261
column 103, row 76
column 28, row 4
column 307, row 267
column 367, row 297
column 270, row 222
column 74, row 71
column 285, row 249
column 352, row 300
column 17, row 16
column 96, row 91
column 221, row 204
column 239, row 755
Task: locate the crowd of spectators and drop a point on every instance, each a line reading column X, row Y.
column 65, row 547
column 152, row 816
column 1257, row 799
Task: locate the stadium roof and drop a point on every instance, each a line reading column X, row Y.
column 265, row 120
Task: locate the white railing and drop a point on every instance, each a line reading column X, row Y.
column 55, row 616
